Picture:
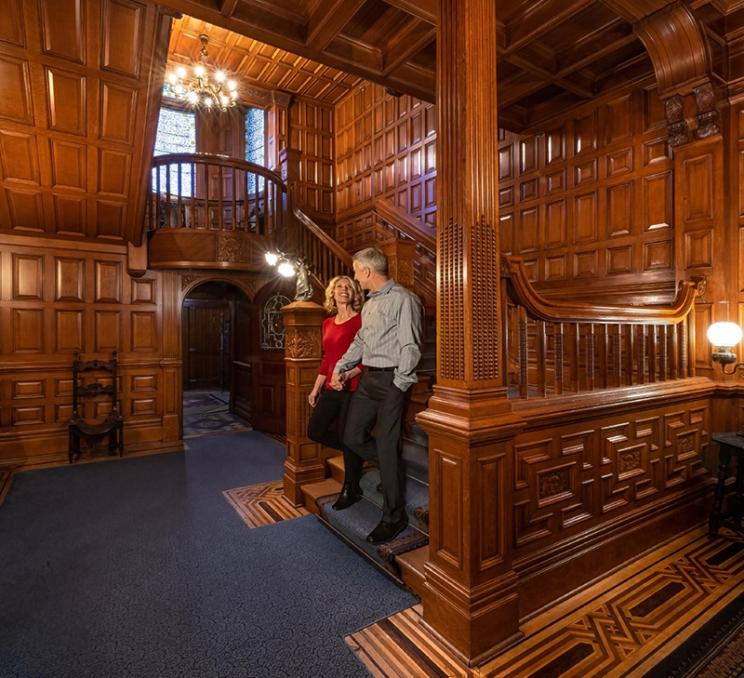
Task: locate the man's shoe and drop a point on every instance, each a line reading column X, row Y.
column 348, row 497
column 387, row 531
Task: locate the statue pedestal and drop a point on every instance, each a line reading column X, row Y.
column 303, row 323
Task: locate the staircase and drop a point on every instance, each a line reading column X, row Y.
column 404, row 557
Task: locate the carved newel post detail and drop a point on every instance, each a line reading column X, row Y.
column 303, row 322
column 471, row 596
column 400, row 255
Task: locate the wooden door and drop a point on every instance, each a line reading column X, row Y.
column 207, row 340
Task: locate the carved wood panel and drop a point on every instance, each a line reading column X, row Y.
column 571, row 477
column 385, row 147
column 57, row 297
column 591, row 197
column 311, row 132
column 75, row 82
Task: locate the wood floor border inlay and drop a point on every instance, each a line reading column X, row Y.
column 620, row 626
column 263, row 504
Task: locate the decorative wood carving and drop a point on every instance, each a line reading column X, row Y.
column 707, row 116
column 303, row 321
column 679, row 133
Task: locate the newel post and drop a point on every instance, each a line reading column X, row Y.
column 471, row 596
column 400, row 255
column 303, row 322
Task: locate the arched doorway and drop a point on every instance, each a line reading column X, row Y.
column 216, row 323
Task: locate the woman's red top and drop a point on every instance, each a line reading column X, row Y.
column 336, row 339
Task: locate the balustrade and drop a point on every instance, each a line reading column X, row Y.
column 214, row 192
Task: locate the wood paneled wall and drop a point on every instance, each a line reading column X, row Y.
column 385, row 147
column 311, row 133
column 79, row 87
column 58, row 297
column 589, row 202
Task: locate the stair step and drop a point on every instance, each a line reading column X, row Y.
column 417, row 494
column 314, row 491
column 411, row 566
column 336, row 467
column 356, row 522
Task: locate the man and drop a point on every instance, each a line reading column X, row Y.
column 389, row 347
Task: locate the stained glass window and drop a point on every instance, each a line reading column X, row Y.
column 272, row 323
column 176, row 134
column 255, row 143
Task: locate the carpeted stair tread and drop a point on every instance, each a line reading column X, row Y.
column 417, row 494
column 314, row 491
column 356, row 522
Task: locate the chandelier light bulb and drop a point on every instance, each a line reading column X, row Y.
column 201, row 85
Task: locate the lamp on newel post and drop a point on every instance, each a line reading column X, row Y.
column 303, row 321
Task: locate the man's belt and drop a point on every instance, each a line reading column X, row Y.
column 378, row 369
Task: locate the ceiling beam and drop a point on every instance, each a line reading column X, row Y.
column 427, row 10
column 228, row 7
column 534, row 24
column 583, row 91
column 411, row 41
column 328, row 20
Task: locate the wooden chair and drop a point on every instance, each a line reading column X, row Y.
column 112, row 425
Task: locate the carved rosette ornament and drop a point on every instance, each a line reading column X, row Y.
column 707, row 116
column 679, row 133
column 302, row 343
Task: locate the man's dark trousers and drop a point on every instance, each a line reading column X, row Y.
column 377, row 407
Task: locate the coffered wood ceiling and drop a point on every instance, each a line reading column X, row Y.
column 552, row 53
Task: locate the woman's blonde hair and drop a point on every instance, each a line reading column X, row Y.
column 330, row 302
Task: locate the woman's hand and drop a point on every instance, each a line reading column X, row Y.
column 312, row 398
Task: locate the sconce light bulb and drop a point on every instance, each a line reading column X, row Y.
column 271, row 258
column 286, row 269
column 724, row 334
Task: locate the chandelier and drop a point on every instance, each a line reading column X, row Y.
column 200, row 88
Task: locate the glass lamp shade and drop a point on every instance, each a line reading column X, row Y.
column 286, row 269
column 724, row 334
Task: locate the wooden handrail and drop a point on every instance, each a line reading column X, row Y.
column 566, row 311
column 338, row 251
column 219, row 160
column 405, row 223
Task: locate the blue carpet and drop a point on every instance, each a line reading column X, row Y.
column 141, row 568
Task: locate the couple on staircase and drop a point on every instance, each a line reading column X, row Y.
column 349, row 408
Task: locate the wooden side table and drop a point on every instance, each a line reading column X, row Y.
column 730, row 445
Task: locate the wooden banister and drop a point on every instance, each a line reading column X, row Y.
column 326, row 257
column 558, row 347
column 567, row 311
column 405, row 223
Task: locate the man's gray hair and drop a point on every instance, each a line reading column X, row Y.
column 374, row 258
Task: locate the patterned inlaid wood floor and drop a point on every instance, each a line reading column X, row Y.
column 6, row 477
column 620, row 627
column 262, row 504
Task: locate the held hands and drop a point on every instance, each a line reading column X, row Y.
column 338, row 381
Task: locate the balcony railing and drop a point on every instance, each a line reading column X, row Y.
column 215, row 192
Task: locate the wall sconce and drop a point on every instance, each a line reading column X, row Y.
column 287, row 267
column 723, row 337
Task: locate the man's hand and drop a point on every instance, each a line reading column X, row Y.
column 338, row 381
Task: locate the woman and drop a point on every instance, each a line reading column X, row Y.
column 343, row 300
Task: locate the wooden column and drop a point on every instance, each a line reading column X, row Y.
column 471, row 597
column 400, row 255
column 289, row 168
column 303, row 322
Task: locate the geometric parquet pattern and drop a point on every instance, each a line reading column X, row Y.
column 263, row 504
column 621, row 626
